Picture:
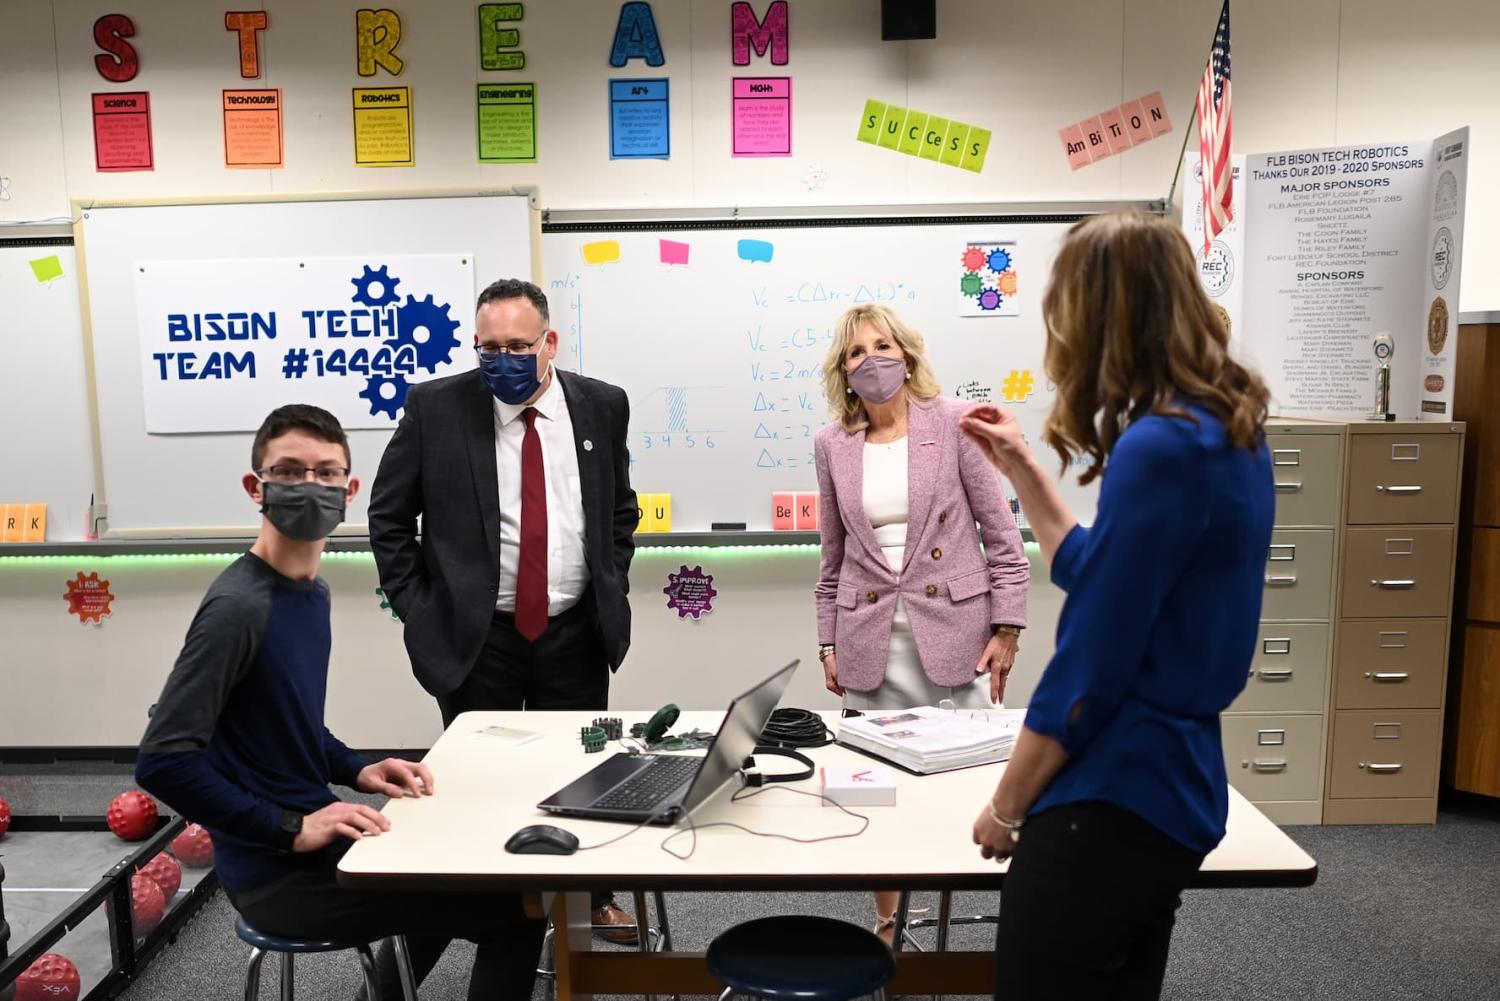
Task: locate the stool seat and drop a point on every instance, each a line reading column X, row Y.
column 801, row 957
column 276, row 943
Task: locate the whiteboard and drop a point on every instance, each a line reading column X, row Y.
column 721, row 357
column 44, row 452
column 188, row 484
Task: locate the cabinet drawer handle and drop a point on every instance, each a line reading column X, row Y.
column 1287, row 580
column 1398, row 490
column 1269, row 767
column 1379, row 768
column 1393, row 585
column 1276, row 673
column 1290, row 487
column 1388, row 676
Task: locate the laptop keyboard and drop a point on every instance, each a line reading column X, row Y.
column 647, row 788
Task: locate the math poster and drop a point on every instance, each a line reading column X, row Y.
column 762, row 119
column 223, row 342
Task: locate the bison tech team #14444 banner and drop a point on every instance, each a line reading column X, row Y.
column 223, row 342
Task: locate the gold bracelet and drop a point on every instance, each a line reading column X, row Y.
column 1013, row 826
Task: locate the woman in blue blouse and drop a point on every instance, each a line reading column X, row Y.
column 1117, row 789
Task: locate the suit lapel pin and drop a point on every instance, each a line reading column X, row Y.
column 588, row 446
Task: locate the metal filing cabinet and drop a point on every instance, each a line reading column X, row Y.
column 1395, row 585
column 1275, row 733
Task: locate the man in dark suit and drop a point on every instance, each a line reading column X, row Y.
column 513, row 594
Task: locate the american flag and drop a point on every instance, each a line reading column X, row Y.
column 1213, row 135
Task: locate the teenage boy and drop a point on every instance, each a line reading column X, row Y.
column 237, row 740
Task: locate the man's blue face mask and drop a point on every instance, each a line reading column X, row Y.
column 513, row 378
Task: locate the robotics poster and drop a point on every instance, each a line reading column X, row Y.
column 223, row 342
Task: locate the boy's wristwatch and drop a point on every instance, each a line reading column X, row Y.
column 291, row 823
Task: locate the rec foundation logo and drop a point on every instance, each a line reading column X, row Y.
column 1216, row 268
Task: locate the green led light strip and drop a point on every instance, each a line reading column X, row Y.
column 675, row 552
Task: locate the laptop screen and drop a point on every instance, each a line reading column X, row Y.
column 737, row 737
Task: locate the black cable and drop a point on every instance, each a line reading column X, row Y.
column 796, row 728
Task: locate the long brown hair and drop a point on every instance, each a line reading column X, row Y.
column 1131, row 332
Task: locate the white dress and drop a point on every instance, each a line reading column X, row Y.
column 906, row 684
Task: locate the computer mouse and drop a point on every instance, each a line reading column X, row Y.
column 542, row 839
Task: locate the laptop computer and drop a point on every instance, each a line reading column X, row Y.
column 660, row 788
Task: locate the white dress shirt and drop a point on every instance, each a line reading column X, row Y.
column 567, row 567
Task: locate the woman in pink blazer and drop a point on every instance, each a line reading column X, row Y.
column 911, row 609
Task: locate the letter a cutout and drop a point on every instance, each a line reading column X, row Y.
column 636, row 37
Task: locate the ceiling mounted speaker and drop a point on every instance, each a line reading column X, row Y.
column 905, row 19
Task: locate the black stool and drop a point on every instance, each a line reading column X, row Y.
column 261, row 943
column 801, row 958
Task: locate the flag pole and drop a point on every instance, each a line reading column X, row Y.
column 1186, row 132
column 1177, row 169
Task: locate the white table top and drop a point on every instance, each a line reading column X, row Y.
column 487, row 790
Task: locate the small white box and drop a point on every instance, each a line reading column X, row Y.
column 858, row 786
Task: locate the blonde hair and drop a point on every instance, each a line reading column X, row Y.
column 1130, row 332
column 847, row 406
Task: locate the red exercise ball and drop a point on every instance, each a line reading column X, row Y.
column 193, row 847
column 147, row 905
column 166, row 873
column 131, row 815
column 50, row 978
column 4, row 817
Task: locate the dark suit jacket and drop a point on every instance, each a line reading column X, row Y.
column 440, row 464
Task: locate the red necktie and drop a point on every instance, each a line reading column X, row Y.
column 531, row 577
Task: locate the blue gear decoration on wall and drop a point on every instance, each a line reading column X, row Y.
column 999, row 260
column 387, row 287
column 378, row 402
column 437, row 349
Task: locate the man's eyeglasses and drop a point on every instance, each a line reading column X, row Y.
column 508, row 348
column 291, row 472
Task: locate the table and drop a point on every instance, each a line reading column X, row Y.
column 486, row 790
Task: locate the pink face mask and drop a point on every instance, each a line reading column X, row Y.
column 878, row 378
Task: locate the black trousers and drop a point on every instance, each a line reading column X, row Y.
column 310, row 903
column 1088, row 907
column 564, row 669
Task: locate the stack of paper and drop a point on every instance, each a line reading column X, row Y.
column 927, row 739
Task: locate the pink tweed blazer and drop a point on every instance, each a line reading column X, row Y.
column 953, row 590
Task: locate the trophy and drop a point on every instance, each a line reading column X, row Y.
column 1384, row 347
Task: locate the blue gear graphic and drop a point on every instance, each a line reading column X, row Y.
column 387, row 287
column 437, row 349
column 378, row 403
column 999, row 260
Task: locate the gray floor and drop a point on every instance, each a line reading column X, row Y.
column 1397, row 913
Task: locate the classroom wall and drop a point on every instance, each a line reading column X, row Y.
column 1307, row 73
column 69, row 684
